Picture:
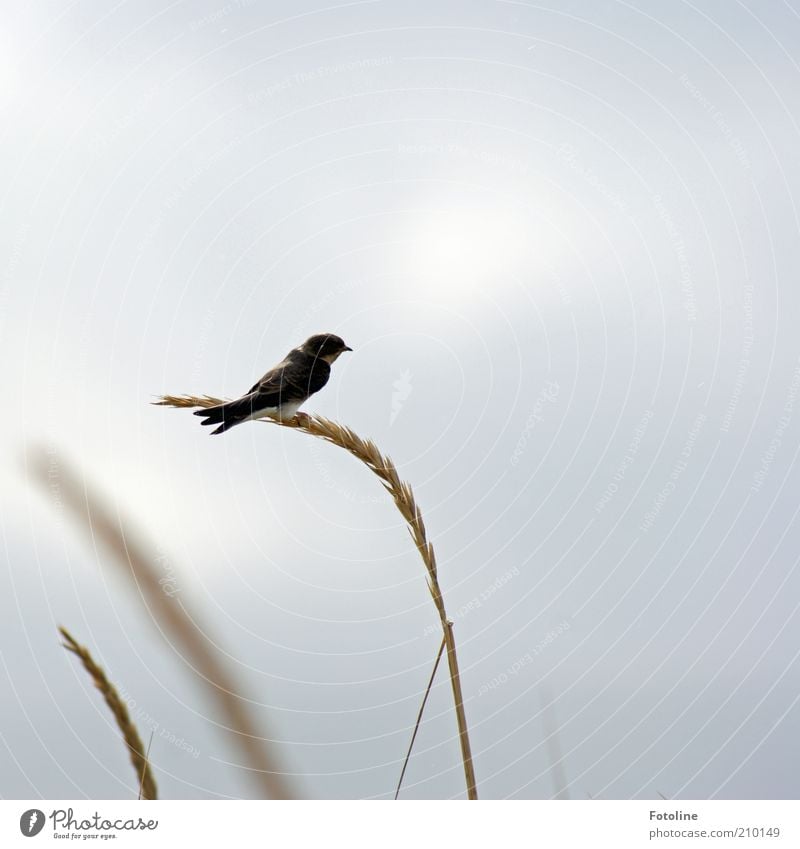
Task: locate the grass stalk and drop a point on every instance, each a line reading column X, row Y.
column 367, row 452
column 138, row 755
column 174, row 621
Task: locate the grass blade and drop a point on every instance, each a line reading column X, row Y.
column 139, row 758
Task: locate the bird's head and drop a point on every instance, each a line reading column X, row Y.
column 326, row 346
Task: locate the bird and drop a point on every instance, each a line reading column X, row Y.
column 284, row 388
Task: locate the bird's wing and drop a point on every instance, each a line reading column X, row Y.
column 298, row 376
column 271, row 381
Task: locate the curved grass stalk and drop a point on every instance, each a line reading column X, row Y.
column 366, row 451
column 176, row 623
column 138, row 755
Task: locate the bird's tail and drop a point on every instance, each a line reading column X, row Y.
column 220, row 415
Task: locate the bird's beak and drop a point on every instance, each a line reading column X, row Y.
column 346, row 348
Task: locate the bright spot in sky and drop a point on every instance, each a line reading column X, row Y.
column 455, row 248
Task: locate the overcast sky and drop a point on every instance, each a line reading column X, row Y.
column 563, row 243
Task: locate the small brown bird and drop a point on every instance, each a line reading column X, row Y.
column 281, row 391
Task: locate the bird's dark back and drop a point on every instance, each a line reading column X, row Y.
column 299, row 375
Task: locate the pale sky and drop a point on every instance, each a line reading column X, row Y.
column 563, row 243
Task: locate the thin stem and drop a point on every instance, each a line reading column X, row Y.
column 461, row 717
column 419, row 717
column 145, row 765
